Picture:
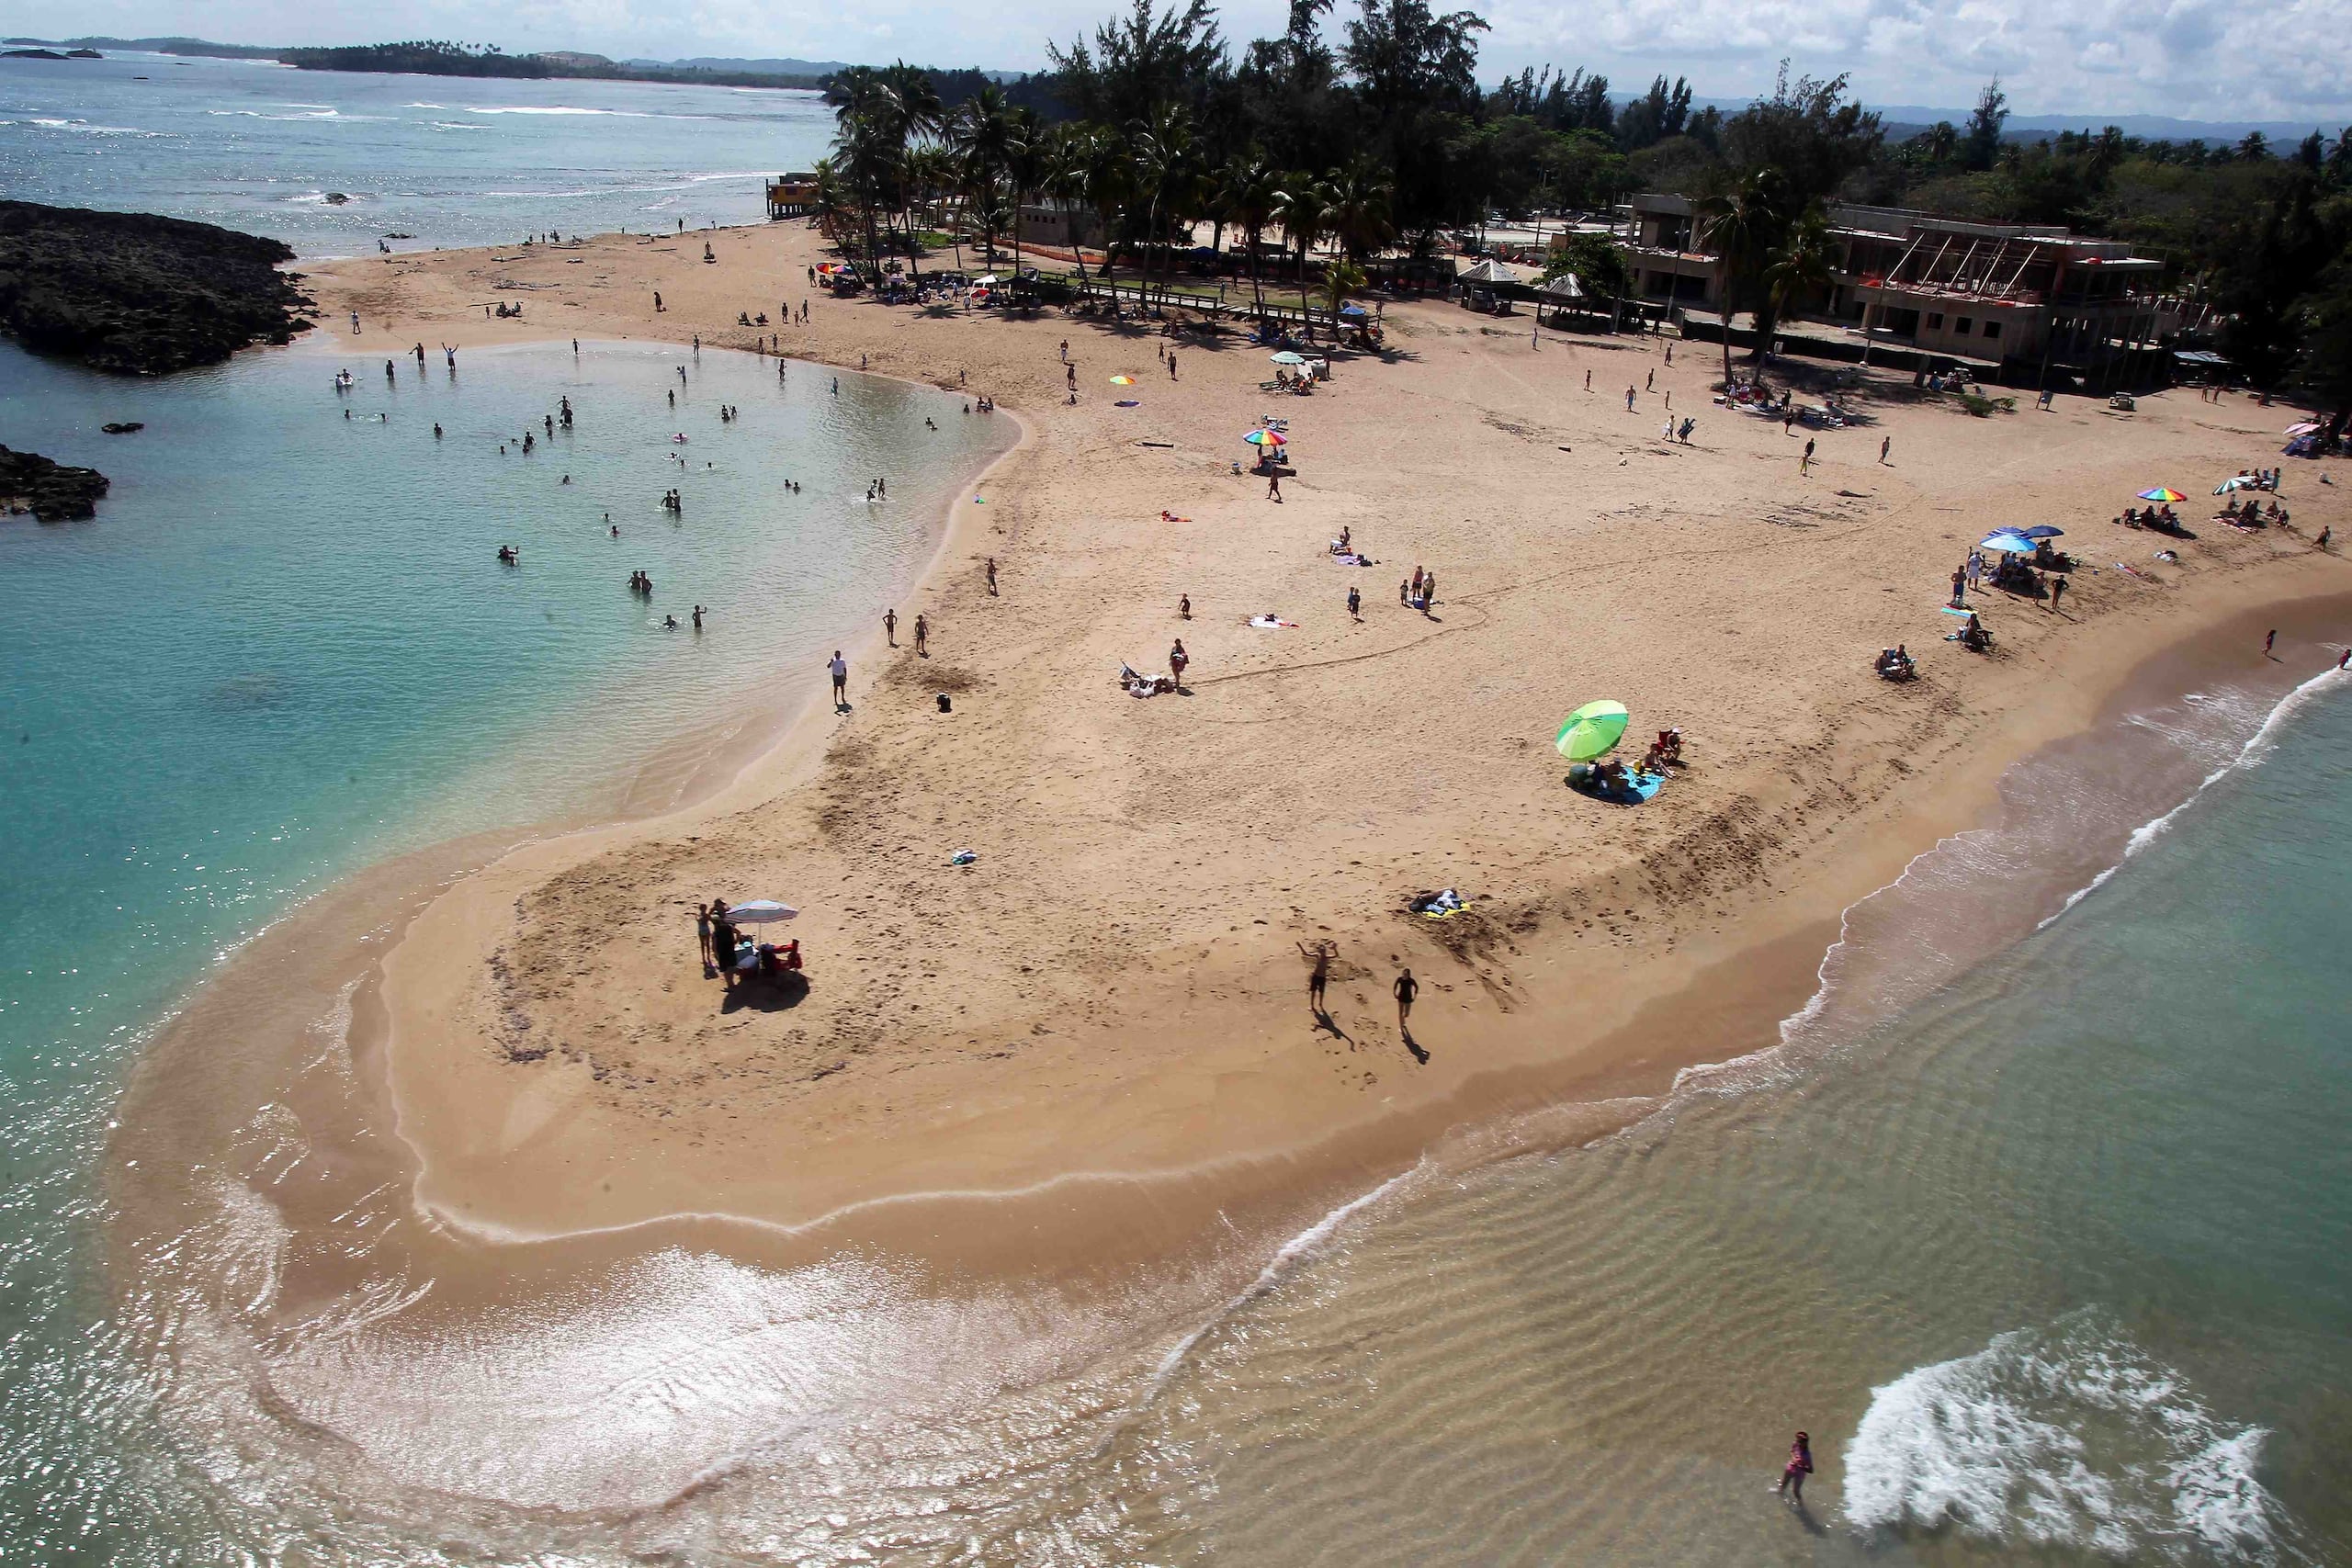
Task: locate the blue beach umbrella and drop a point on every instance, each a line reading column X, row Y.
column 2043, row 530
column 2006, row 543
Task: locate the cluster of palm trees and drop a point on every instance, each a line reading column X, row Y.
column 1769, row 250
column 905, row 167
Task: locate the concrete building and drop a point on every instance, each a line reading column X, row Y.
column 2016, row 294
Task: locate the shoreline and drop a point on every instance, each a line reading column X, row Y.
column 886, row 1191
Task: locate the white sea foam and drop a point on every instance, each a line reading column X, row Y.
column 2255, row 749
column 84, row 127
column 571, row 109
column 2069, row 1436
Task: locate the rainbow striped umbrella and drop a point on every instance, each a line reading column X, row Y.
column 1122, row 380
column 2161, row 493
column 1267, row 438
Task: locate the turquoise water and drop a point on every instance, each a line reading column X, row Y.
column 2054, row 1266
column 447, row 160
column 284, row 650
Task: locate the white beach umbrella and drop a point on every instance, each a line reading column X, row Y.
column 761, row 912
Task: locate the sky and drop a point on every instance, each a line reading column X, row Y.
column 2283, row 60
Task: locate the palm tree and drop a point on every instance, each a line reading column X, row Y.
column 1161, row 154
column 1743, row 226
column 1253, row 190
column 1027, row 154
column 1360, row 196
column 1340, row 278
column 1069, row 161
column 836, row 205
column 981, row 135
column 1305, row 207
column 1805, row 261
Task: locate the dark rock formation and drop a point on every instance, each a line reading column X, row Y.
column 132, row 291
column 51, row 492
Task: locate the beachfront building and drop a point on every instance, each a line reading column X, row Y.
column 2030, row 297
column 792, row 196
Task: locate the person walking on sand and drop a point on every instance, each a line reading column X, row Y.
column 1065, row 351
column 992, row 594
column 1429, row 591
column 1405, row 989
column 1800, row 1465
column 2057, row 590
column 1355, row 603
column 1804, row 464
column 1629, row 397
column 922, row 636
column 1177, row 660
column 840, row 667
column 1319, row 975
column 1649, row 382
column 702, row 934
column 1171, row 366
column 890, row 626
column 2269, row 641
column 1885, row 445
column 1588, row 379
column 1273, row 485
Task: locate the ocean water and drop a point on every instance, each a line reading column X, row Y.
column 447, row 160
column 284, row 650
column 2053, row 1259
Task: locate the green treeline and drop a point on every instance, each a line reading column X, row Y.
column 1372, row 130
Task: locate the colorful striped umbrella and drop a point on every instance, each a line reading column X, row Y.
column 1122, row 380
column 1592, row 730
column 2161, row 493
column 1267, row 438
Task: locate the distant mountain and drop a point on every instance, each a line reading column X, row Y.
column 747, row 67
column 782, row 67
column 2154, row 127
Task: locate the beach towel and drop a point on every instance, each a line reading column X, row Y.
column 1638, row 788
column 1437, row 906
column 1269, row 623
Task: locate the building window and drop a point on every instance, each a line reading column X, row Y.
column 1992, row 329
column 1962, row 325
column 1935, row 320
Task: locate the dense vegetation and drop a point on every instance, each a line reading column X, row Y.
column 1374, row 136
column 437, row 58
column 132, row 291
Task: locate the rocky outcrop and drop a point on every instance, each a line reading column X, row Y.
column 50, row 491
column 132, row 291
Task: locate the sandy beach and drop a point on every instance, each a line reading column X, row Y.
column 1096, row 1034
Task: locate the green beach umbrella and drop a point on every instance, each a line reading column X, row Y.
column 1592, row 730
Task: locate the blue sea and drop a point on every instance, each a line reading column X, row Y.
column 443, row 160
column 2036, row 1215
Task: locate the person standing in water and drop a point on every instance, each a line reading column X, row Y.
column 1800, row 1465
